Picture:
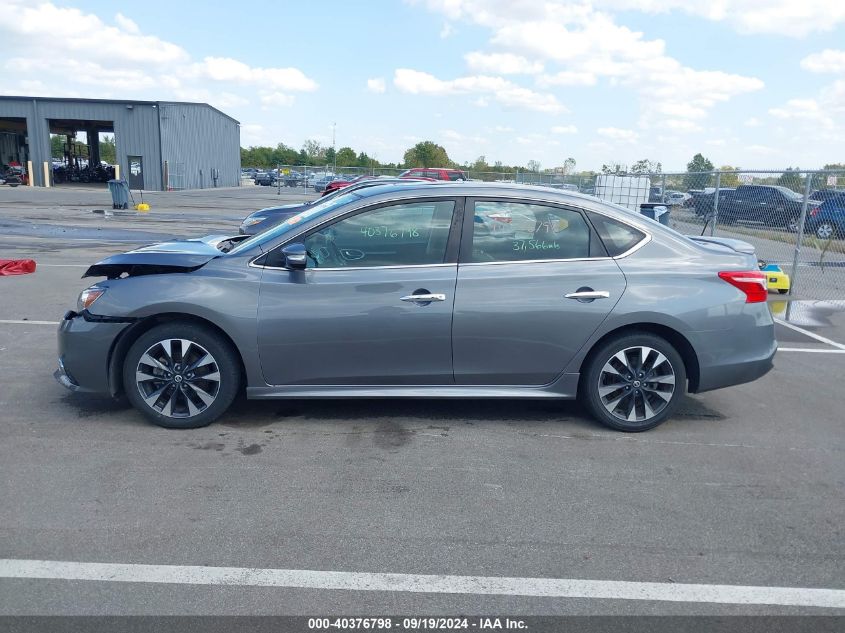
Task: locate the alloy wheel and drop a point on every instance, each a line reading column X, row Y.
column 178, row 378
column 636, row 384
column 824, row 231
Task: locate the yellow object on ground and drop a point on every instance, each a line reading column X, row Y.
column 142, row 207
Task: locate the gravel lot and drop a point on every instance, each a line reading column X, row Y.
column 744, row 487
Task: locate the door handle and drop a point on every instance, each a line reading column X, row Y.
column 424, row 298
column 588, row 295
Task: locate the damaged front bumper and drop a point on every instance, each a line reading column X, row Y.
column 85, row 344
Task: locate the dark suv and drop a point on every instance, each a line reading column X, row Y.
column 768, row 204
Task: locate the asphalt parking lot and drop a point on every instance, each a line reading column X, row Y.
column 742, row 492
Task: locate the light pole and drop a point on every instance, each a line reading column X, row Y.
column 334, row 149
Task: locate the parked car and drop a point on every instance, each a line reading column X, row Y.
column 703, row 201
column 342, row 182
column 294, row 179
column 362, row 295
column 828, row 220
column 676, row 198
column 266, row 179
column 435, row 173
column 320, row 184
column 769, row 204
column 266, row 218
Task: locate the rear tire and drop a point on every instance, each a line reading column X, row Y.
column 633, row 382
column 181, row 375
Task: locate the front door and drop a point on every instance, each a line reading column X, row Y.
column 374, row 305
column 534, row 283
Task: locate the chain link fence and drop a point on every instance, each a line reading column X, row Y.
column 795, row 219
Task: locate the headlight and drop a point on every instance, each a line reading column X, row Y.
column 251, row 221
column 88, row 296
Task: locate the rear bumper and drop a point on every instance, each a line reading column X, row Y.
column 734, row 357
column 84, row 349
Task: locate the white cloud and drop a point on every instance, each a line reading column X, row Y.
column 618, row 134
column 127, row 24
column 753, row 122
column 501, row 63
column 502, row 90
column 564, row 129
column 232, row 70
column 73, row 51
column 377, row 85
column 568, row 78
column 446, row 31
column 828, row 61
column 792, row 18
column 588, row 45
column 502, row 128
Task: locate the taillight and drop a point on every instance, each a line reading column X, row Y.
column 751, row 282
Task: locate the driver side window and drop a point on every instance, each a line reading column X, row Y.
column 407, row 234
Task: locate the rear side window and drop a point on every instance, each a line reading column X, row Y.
column 505, row 231
column 617, row 236
column 456, row 175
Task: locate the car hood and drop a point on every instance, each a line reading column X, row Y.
column 168, row 257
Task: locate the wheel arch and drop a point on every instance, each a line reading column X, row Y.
column 121, row 346
column 675, row 338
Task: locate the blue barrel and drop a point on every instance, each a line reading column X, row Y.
column 119, row 190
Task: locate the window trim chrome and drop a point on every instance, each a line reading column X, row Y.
column 252, row 264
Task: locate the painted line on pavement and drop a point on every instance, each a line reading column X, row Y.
column 419, row 583
column 811, row 350
column 812, row 335
column 26, row 322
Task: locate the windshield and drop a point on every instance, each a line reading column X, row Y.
column 323, row 206
column 790, row 194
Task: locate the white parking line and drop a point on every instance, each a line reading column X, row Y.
column 812, row 335
column 26, row 322
column 811, row 350
column 418, row 583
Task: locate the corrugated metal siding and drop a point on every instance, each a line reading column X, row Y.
column 197, row 140
column 135, row 130
column 196, row 136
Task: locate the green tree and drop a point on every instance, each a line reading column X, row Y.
column 315, row 154
column 792, row 179
column 568, row 166
column 427, row 154
column 613, row 167
column 108, row 150
column 728, row 177
column 695, row 180
column 646, row 166
column 346, row 157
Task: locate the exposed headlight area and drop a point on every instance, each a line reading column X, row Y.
column 253, row 220
column 88, row 296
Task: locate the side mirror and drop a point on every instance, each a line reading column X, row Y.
column 296, row 257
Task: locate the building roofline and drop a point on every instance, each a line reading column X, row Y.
column 117, row 101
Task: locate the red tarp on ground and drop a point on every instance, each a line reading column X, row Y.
column 16, row 266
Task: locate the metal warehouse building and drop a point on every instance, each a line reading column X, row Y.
column 159, row 144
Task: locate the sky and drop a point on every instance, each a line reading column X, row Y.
column 750, row 83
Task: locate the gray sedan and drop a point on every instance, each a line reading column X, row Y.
column 429, row 291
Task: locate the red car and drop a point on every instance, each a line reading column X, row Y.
column 334, row 185
column 340, row 184
column 435, row 173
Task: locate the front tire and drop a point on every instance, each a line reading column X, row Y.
column 633, row 382
column 181, row 375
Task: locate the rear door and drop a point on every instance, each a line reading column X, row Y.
column 534, row 282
